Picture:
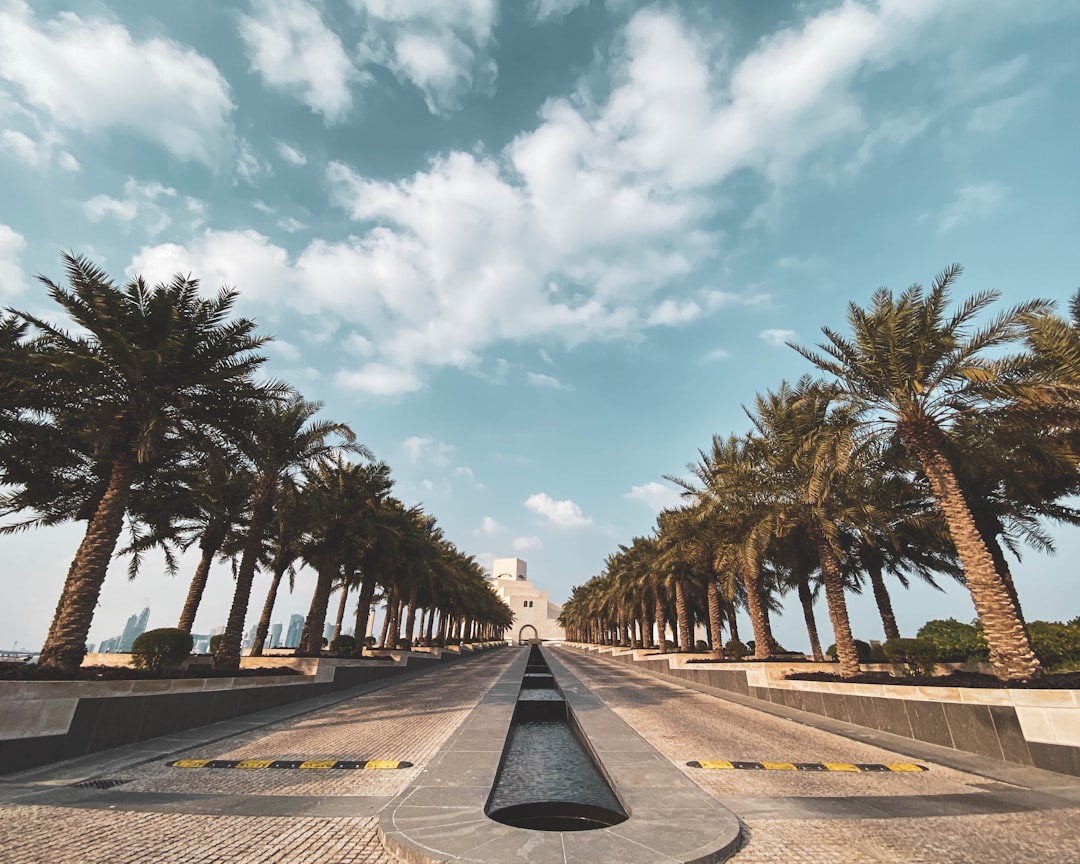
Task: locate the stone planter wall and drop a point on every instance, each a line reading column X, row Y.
column 1029, row 727
column 45, row 721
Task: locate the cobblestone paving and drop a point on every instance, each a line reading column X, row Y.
column 684, row 724
column 410, row 720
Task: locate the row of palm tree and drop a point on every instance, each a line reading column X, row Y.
column 150, row 414
column 932, row 445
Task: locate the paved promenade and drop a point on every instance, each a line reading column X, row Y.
column 940, row 816
column 968, row 810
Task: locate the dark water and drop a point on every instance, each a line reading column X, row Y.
column 544, row 761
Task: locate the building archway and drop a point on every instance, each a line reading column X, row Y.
column 528, row 634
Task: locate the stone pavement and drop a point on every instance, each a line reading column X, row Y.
column 963, row 813
column 964, row 809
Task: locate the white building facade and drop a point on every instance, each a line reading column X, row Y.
column 535, row 617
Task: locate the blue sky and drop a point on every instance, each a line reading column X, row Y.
column 535, row 253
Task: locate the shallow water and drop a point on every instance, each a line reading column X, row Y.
column 544, row 761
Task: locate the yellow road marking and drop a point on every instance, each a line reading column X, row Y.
column 254, row 763
column 778, row 766
column 716, row 764
column 840, row 766
column 903, row 766
column 190, row 763
column 318, row 763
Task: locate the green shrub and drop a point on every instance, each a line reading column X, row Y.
column 1056, row 645
column 667, row 647
column 344, row 645
column 917, row 656
column 369, row 641
column 735, row 650
column 877, row 653
column 862, row 651
column 955, row 641
column 701, row 645
column 215, row 642
column 161, row 649
column 403, row 644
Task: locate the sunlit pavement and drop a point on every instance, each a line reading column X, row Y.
column 154, row 813
column 940, row 815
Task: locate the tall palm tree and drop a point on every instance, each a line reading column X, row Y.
column 284, row 536
column 912, row 367
column 283, row 441
column 144, row 364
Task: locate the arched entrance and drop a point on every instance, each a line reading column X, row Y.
column 528, row 634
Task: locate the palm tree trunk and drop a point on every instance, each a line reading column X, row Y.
column 884, row 602
column 661, row 624
column 1001, row 563
column 340, row 612
column 716, row 633
column 758, row 615
column 410, row 619
column 210, row 544
column 440, row 638
column 733, row 622
column 227, row 657
column 363, row 613
column 838, row 614
column 311, row 640
column 423, row 619
column 806, row 599
column 430, row 626
column 268, row 609
column 65, row 644
column 1010, row 649
column 391, row 604
column 686, row 642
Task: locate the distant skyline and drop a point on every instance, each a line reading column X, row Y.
column 536, row 254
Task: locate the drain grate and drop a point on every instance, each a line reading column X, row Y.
column 99, row 783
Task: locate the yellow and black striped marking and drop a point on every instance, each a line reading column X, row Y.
column 719, row 765
column 316, row 764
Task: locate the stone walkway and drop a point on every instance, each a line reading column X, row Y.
column 963, row 813
column 826, row 817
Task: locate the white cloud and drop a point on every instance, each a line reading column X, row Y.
column 972, row 202
column 538, row 379
column 377, row 379
column 291, row 154
column 292, row 48
column 142, row 201
column 12, row 279
column 249, row 167
column 574, row 232
column 89, row 74
column 715, row 354
column 546, row 357
column 425, row 447
column 284, row 350
column 656, row 496
column 674, row 312
column 565, row 514
column 291, row 225
column 489, row 527
column 526, row 544
column 441, row 48
column 777, row 337
column 994, row 116
column 542, row 10
column 464, row 471
column 40, row 153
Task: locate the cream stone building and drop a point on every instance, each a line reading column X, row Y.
column 535, row 617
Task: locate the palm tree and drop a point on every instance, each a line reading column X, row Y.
column 284, row 440
column 284, row 536
column 912, row 367
column 145, row 363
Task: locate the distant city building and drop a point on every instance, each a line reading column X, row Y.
column 328, row 632
column 89, row 647
column 275, row 635
column 108, row 646
column 249, row 637
column 295, row 631
column 535, row 617
column 200, row 643
column 136, row 626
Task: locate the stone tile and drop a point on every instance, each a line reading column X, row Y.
column 1010, row 736
column 972, row 728
column 1065, row 723
column 928, row 723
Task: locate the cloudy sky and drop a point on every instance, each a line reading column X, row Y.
column 535, row 252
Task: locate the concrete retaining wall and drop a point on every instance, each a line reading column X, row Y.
column 46, row 721
column 1029, row 727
